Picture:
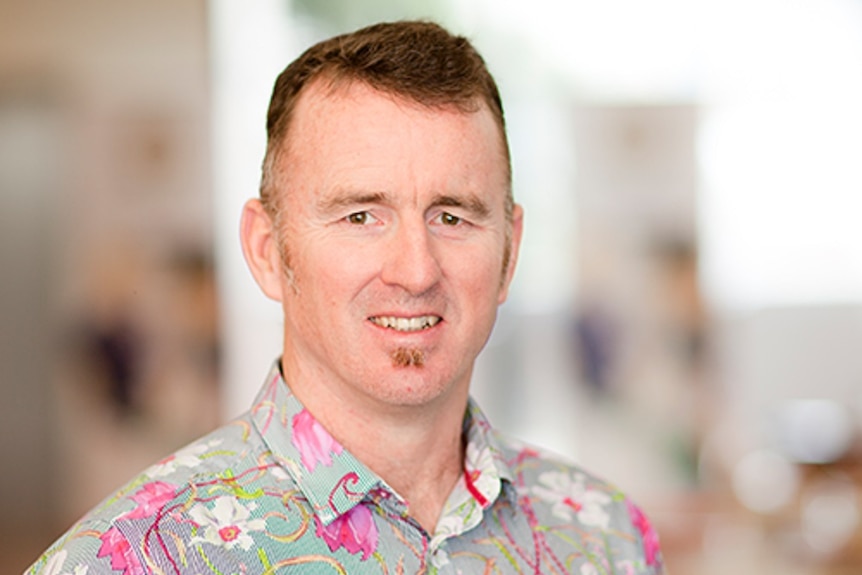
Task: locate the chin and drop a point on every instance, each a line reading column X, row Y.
column 410, row 387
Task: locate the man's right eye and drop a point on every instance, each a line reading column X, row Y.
column 359, row 218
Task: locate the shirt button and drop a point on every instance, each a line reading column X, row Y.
column 439, row 558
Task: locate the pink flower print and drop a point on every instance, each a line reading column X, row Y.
column 313, row 442
column 355, row 531
column 150, row 499
column 652, row 549
column 115, row 545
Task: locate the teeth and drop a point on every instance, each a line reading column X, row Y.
column 406, row 323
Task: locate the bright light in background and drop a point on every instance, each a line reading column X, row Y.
column 830, row 514
column 765, row 481
column 780, row 153
column 250, row 43
column 624, row 50
column 779, row 83
column 814, row 431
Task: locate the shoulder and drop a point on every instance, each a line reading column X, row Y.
column 536, row 466
column 563, row 496
column 161, row 499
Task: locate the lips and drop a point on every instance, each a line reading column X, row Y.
column 406, row 324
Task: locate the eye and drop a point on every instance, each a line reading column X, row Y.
column 448, row 219
column 360, row 218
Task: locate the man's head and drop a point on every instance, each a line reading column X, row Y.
column 420, row 62
column 386, row 228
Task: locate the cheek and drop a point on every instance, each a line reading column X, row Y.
column 332, row 278
column 477, row 275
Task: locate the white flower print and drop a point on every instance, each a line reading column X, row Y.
column 55, row 565
column 189, row 456
column 226, row 524
column 589, row 569
column 568, row 493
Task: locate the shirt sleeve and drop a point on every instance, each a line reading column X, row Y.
column 74, row 554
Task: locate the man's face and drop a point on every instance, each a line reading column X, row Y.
column 394, row 231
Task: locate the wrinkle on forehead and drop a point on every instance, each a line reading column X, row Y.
column 320, row 93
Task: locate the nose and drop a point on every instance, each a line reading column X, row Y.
column 411, row 262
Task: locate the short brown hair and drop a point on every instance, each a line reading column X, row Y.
column 419, row 61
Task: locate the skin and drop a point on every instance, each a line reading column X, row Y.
column 390, row 210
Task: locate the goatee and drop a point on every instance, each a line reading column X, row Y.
column 407, row 357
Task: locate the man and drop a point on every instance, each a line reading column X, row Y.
column 387, row 230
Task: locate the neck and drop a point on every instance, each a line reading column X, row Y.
column 415, row 449
column 422, row 461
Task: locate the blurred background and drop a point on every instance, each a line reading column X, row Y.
column 687, row 315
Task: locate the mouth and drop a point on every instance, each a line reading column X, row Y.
column 406, row 324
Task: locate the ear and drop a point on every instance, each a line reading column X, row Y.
column 514, row 246
column 260, row 248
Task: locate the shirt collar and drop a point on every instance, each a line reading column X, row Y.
column 484, row 456
column 330, row 477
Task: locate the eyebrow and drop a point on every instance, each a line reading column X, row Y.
column 352, row 199
column 469, row 202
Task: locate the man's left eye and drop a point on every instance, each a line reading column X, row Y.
column 448, row 219
column 360, row 218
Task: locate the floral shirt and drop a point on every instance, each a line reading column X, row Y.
column 273, row 492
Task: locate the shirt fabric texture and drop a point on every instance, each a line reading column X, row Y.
column 273, row 493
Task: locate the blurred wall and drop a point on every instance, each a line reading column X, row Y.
column 29, row 175
column 104, row 167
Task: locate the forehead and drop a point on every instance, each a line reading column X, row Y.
column 351, row 130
